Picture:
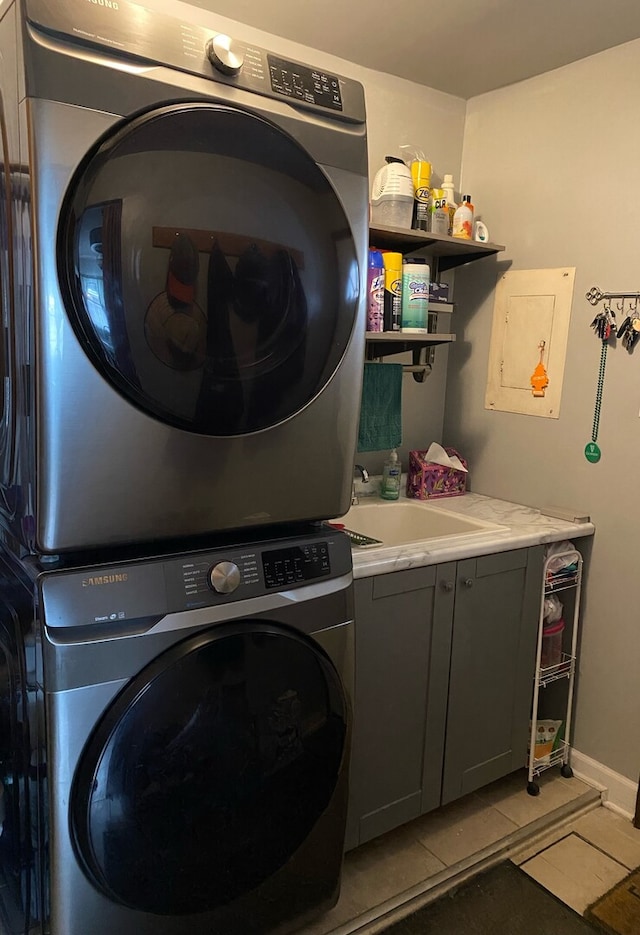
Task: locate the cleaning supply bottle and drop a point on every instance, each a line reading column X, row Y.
column 463, row 219
column 392, row 290
column 391, row 474
column 415, row 294
column 375, row 292
column 450, row 198
column 438, row 212
column 421, row 176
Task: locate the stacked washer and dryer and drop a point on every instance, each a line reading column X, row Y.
column 183, row 218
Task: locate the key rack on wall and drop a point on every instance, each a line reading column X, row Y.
column 605, row 324
column 594, row 295
column 607, row 331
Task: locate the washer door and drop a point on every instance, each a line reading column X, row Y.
column 210, row 769
column 208, row 268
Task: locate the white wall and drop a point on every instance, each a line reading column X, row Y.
column 553, row 165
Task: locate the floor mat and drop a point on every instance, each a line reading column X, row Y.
column 498, row 901
column 618, row 911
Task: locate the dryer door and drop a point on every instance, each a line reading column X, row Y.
column 208, row 268
column 210, row 770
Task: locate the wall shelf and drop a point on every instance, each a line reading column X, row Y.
column 381, row 344
column 450, row 251
column 385, row 343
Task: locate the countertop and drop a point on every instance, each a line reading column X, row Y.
column 522, row 526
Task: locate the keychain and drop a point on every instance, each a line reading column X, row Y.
column 605, row 327
column 629, row 330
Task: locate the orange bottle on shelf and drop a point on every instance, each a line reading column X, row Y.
column 463, row 219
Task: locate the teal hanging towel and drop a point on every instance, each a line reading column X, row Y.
column 381, row 409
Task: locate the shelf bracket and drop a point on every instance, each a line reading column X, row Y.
column 421, row 369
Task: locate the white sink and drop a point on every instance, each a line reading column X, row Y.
column 399, row 522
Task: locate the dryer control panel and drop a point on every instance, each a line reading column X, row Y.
column 130, row 30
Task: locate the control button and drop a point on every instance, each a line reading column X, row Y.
column 224, row 577
column 225, row 54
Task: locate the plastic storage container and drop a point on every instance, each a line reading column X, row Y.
column 415, row 295
column 392, row 195
column 551, row 652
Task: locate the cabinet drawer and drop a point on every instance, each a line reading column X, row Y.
column 502, row 561
column 399, row 582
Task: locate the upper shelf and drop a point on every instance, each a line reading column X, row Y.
column 451, row 250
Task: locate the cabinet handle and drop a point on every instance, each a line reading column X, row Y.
column 447, row 585
column 468, row 582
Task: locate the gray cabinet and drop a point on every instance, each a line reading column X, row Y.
column 444, row 665
column 403, row 643
column 493, row 657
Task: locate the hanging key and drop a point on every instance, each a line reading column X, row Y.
column 603, row 324
column 624, row 327
column 632, row 335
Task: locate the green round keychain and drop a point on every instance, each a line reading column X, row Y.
column 591, row 451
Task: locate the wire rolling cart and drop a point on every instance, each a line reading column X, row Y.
column 566, row 578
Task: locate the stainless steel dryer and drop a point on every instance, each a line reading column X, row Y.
column 175, row 739
column 185, row 335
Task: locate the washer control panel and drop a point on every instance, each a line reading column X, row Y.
column 224, row 577
column 141, row 592
column 250, row 571
column 225, row 54
column 297, row 564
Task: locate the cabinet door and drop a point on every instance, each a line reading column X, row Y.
column 403, row 639
column 492, row 667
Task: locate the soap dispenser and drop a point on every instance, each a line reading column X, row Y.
column 391, row 473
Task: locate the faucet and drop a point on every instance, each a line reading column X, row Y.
column 364, row 474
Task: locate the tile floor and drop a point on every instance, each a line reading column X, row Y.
column 563, row 838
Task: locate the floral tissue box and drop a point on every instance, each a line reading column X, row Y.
column 427, row 480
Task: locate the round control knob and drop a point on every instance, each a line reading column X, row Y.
column 224, row 577
column 225, row 55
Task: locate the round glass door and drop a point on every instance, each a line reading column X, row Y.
column 208, row 268
column 210, row 769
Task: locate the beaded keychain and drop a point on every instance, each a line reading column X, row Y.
column 604, row 326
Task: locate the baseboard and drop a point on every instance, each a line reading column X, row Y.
column 618, row 793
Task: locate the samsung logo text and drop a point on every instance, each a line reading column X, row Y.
column 108, row 3
column 99, row 580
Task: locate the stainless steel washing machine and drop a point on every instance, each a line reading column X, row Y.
column 175, row 740
column 183, row 291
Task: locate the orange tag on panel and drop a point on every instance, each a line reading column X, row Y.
column 539, row 380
